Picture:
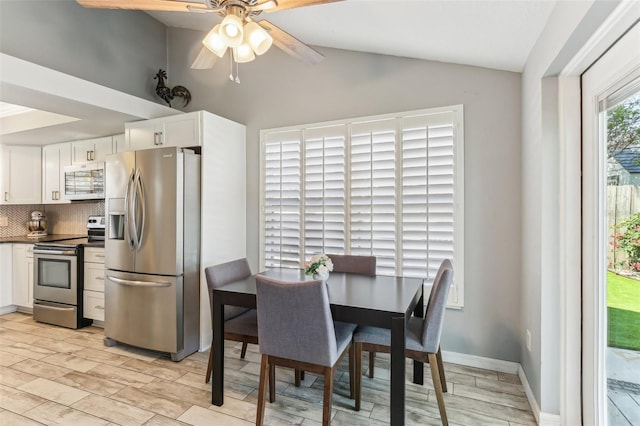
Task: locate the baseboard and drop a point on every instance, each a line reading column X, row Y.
column 543, row 419
column 481, row 362
column 8, row 309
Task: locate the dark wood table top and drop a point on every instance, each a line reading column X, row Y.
column 380, row 293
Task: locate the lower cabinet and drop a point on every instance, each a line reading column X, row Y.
column 94, row 283
column 6, row 279
column 22, row 275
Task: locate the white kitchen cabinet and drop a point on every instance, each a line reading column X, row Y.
column 91, row 150
column 182, row 130
column 22, row 275
column 54, row 159
column 20, row 174
column 119, row 143
column 6, row 279
column 93, row 296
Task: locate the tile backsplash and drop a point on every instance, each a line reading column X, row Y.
column 61, row 218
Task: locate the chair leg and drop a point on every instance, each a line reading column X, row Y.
column 244, row 350
column 297, row 379
column 262, row 388
column 443, row 381
column 328, row 393
column 372, row 362
column 357, row 375
column 210, row 364
column 352, row 369
column 435, row 375
column 272, row 383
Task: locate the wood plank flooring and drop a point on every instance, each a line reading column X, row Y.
column 52, row 375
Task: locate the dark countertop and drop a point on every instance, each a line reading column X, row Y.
column 47, row 238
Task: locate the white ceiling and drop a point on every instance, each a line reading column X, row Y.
column 495, row 34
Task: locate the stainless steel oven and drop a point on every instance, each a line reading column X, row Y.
column 58, row 279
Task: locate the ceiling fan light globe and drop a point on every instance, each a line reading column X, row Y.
column 243, row 53
column 231, row 30
column 259, row 40
column 214, row 42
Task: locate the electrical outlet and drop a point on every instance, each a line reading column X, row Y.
column 528, row 340
column 4, row 221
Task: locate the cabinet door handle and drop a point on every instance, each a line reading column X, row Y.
column 88, row 155
column 99, row 307
column 6, row 196
column 155, row 138
column 57, row 195
column 161, row 134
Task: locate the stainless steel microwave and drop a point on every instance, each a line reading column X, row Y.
column 84, row 181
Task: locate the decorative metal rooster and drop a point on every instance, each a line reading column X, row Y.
column 168, row 93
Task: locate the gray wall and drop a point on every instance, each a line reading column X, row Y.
column 122, row 50
column 567, row 30
column 118, row 49
column 277, row 90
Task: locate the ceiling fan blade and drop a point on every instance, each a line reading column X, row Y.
column 292, row 45
column 205, row 60
column 163, row 5
column 290, row 4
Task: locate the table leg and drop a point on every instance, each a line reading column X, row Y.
column 217, row 383
column 397, row 370
column 418, row 367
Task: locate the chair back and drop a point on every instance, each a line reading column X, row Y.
column 225, row 273
column 294, row 321
column 363, row 265
column 436, row 305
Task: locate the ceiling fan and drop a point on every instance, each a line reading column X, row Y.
column 238, row 32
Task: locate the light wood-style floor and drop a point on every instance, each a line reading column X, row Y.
column 52, row 375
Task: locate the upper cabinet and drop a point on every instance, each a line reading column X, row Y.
column 54, row 159
column 182, row 130
column 91, row 150
column 119, row 143
column 20, row 174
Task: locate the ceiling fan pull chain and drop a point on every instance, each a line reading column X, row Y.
column 230, row 66
column 237, row 74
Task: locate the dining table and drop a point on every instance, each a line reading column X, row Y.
column 381, row 301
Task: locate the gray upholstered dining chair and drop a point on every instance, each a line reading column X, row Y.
column 296, row 330
column 240, row 324
column 363, row 265
column 422, row 338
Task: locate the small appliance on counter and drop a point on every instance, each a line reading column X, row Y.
column 37, row 225
column 58, row 282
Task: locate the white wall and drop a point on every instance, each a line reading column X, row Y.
column 277, row 90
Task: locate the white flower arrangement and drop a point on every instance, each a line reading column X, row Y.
column 319, row 264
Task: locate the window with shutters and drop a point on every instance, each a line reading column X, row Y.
column 390, row 186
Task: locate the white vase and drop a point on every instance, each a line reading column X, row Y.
column 319, row 276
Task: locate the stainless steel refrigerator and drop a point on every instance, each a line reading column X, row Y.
column 152, row 250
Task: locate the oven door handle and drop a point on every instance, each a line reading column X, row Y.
column 134, row 283
column 55, row 252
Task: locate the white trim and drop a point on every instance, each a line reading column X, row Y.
column 8, row 309
column 481, row 362
column 543, row 419
column 570, row 273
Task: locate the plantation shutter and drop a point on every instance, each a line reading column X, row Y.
column 428, row 193
column 373, row 192
column 324, row 192
column 282, row 197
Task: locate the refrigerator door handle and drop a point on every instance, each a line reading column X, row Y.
column 128, row 215
column 134, row 210
column 143, row 201
column 135, row 283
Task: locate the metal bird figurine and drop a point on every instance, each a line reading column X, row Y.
column 168, row 93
